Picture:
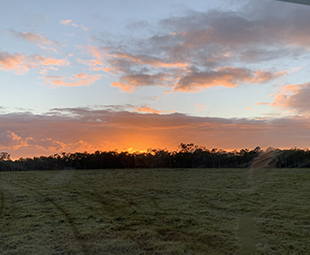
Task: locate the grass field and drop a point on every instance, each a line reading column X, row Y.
column 155, row 211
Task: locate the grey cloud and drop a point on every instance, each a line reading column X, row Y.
column 254, row 55
column 10, row 139
column 226, row 77
column 143, row 79
column 209, row 41
column 300, row 100
column 33, row 37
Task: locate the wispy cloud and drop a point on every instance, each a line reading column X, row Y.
column 21, row 63
column 262, row 103
column 69, row 22
column 31, row 37
column 200, row 108
column 65, row 22
column 93, row 64
column 78, row 80
column 147, row 109
column 37, row 39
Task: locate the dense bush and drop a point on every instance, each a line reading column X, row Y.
column 187, row 156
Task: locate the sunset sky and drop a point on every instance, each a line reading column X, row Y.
column 131, row 75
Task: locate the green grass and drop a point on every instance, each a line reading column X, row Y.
column 155, row 211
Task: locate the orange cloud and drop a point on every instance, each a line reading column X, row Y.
column 55, row 62
column 261, row 103
column 167, row 92
column 152, row 61
column 65, row 22
column 16, row 62
column 10, row 140
column 96, row 52
column 293, row 98
column 123, row 87
column 144, row 108
column 94, row 64
column 198, row 105
column 13, row 142
column 20, row 63
column 78, row 80
column 63, row 129
column 69, row 22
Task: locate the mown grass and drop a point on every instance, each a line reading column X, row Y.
column 155, row 211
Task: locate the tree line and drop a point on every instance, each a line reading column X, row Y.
column 187, row 156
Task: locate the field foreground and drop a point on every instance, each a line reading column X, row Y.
column 155, row 211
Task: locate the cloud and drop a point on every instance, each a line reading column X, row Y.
column 69, row 22
column 37, row 39
column 147, row 60
column 62, row 129
column 96, row 52
column 47, row 144
column 257, row 26
column 261, row 103
column 55, row 62
column 31, row 37
column 94, row 64
column 229, row 77
column 200, row 107
column 21, row 63
column 200, row 50
column 81, row 146
column 294, row 98
column 134, row 81
column 77, row 80
column 144, row 108
column 167, row 92
column 16, row 62
column 10, row 140
column 65, row 22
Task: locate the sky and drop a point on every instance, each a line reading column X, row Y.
column 122, row 75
